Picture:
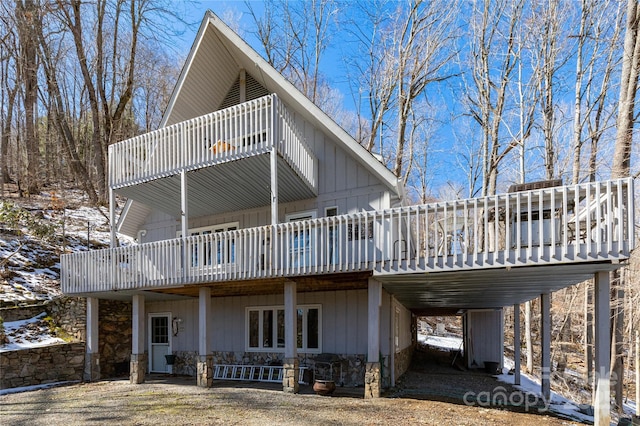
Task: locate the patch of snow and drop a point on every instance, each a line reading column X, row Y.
column 629, row 407
column 443, row 342
column 29, row 333
column 558, row 404
column 36, row 387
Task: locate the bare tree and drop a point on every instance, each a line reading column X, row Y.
column 26, row 13
column 370, row 70
column 8, row 92
column 494, row 56
column 59, row 111
column 295, row 36
column 423, row 47
column 597, row 48
column 548, row 25
column 621, row 167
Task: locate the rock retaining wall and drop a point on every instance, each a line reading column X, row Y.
column 49, row 364
column 68, row 313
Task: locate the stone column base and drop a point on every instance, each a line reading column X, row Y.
column 91, row 367
column 204, row 374
column 372, row 380
column 290, row 375
column 138, row 368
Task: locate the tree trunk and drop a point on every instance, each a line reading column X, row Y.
column 617, row 335
column 588, row 332
column 621, row 167
column 60, row 118
column 27, row 15
column 628, row 90
column 6, row 135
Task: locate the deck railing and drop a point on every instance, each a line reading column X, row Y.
column 243, row 130
column 586, row 222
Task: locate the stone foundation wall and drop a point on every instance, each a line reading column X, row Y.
column 402, row 360
column 248, row 358
column 372, row 376
column 114, row 337
column 185, row 363
column 351, row 375
column 49, row 364
column 353, row 366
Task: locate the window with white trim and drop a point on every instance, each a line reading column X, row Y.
column 203, row 253
column 265, row 329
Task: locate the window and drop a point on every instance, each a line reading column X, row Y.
column 265, row 329
column 360, row 231
column 331, row 211
column 202, row 250
column 302, row 240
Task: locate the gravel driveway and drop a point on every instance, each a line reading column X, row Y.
column 177, row 401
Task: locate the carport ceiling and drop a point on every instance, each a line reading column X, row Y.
column 426, row 293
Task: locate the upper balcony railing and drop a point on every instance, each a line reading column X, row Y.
column 243, row 130
column 586, row 222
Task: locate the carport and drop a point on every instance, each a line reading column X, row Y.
column 460, row 292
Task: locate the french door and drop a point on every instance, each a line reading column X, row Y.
column 302, row 240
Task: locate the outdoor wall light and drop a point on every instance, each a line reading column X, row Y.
column 175, row 324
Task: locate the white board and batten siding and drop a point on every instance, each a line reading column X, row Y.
column 343, row 183
column 400, row 330
column 484, row 337
column 344, row 320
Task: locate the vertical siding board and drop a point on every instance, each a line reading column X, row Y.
column 339, row 167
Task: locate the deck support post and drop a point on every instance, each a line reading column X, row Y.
column 138, row 363
column 545, row 340
column 602, row 347
column 291, row 365
column 112, row 218
column 274, row 185
column 205, row 358
column 516, row 344
column 184, row 220
column 92, row 355
column 372, row 378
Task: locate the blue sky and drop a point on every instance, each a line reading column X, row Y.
column 455, row 131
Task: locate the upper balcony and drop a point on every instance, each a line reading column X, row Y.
column 146, row 168
column 590, row 222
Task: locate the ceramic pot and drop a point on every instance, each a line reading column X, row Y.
column 324, row 387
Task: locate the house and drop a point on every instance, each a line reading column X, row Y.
column 271, row 244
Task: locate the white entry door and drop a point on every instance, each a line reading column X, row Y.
column 159, row 342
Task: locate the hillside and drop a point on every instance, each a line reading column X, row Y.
column 29, row 263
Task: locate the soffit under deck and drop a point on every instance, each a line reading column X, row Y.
column 442, row 293
column 234, row 186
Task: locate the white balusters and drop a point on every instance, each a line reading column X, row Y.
column 578, row 223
